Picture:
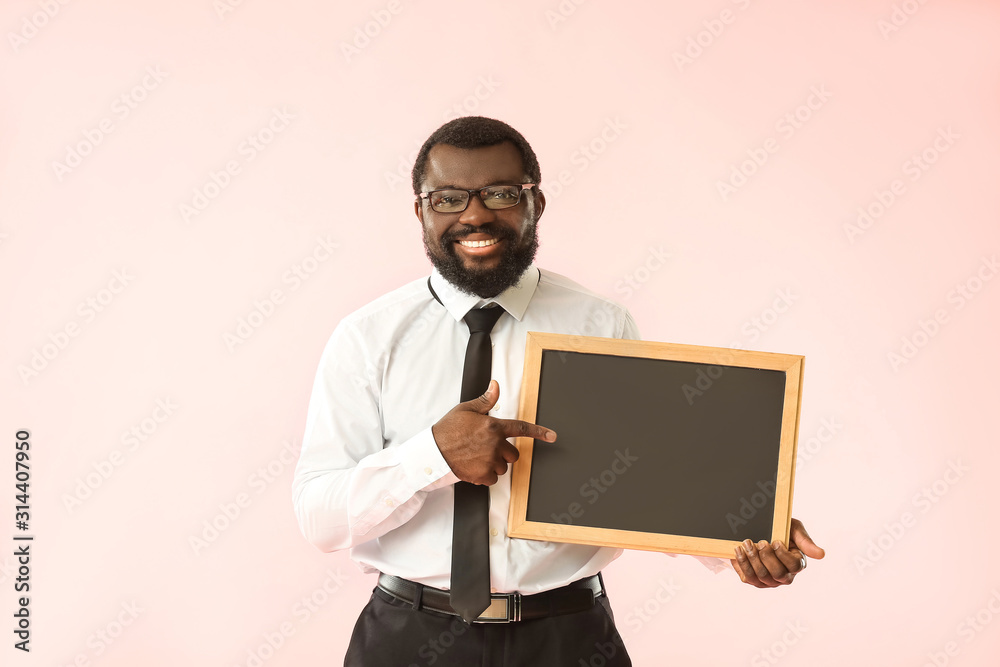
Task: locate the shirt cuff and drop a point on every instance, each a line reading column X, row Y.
column 716, row 565
column 426, row 469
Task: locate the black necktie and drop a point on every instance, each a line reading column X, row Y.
column 470, row 546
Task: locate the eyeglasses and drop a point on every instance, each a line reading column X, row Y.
column 494, row 197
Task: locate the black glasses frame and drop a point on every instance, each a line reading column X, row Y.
column 482, row 197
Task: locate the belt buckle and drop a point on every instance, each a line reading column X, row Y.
column 505, row 608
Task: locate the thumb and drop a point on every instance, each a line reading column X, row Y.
column 483, row 404
column 805, row 543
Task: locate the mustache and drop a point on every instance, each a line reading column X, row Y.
column 496, row 231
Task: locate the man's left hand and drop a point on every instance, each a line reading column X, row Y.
column 770, row 565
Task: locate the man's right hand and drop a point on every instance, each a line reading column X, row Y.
column 475, row 444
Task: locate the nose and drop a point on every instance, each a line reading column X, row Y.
column 476, row 213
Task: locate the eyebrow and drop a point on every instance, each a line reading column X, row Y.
column 452, row 186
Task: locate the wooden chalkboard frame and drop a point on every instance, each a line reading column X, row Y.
column 537, row 343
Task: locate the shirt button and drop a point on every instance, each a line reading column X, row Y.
column 493, row 532
column 428, row 471
column 388, row 502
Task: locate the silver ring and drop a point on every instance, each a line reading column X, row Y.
column 802, row 563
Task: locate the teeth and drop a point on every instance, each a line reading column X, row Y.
column 478, row 244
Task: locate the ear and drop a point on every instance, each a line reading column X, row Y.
column 418, row 210
column 540, row 207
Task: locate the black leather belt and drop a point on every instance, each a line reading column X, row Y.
column 504, row 607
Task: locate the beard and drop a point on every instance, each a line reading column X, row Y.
column 484, row 283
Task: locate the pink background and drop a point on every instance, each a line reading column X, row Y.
column 906, row 574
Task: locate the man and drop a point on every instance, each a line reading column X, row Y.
column 390, row 453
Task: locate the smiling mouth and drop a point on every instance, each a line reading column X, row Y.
column 478, row 244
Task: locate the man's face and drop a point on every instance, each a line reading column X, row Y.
column 480, row 251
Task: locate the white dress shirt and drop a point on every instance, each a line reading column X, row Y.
column 370, row 476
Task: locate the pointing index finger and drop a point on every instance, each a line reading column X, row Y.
column 515, row 428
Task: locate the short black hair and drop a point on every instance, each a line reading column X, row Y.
column 476, row 132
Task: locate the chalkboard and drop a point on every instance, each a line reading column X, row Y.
column 660, row 446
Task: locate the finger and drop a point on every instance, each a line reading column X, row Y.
column 775, row 566
column 509, row 452
column 758, row 567
column 745, row 570
column 736, row 565
column 484, row 403
column 488, row 479
column 515, row 428
column 798, row 537
column 792, row 560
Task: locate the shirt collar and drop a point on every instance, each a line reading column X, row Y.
column 514, row 299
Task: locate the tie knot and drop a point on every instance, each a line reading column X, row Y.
column 481, row 320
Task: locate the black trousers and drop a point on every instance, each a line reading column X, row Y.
column 391, row 633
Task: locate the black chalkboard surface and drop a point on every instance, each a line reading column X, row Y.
column 663, row 447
